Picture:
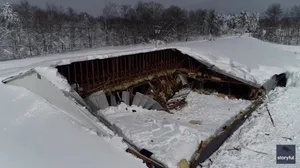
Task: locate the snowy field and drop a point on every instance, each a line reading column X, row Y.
column 37, row 134
column 172, row 137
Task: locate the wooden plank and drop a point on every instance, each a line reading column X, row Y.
column 98, row 68
column 69, row 74
column 143, row 61
column 93, row 74
column 148, row 61
column 140, row 64
column 107, row 67
column 81, row 72
column 135, row 62
column 130, row 59
column 160, row 60
column 121, row 66
column 152, row 64
column 75, row 76
column 144, row 158
column 125, row 66
column 102, row 70
column 117, row 67
column 168, row 59
column 87, row 75
column 113, row 67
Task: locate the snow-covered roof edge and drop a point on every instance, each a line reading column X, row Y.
column 228, row 69
column 231, row 71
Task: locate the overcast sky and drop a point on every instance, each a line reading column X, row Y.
column 94, row 6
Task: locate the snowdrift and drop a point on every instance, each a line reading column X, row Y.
column 41, row 86
column 36, row 134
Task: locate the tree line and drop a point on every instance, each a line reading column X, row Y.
column 280, row 26
column 27, row 30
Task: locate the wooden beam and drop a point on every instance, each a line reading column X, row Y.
column 87, row 75
column 93, row 74
column 144, row 158
column 75, row 76
column 102, row 70
column 81, row 71
column 117, row 67
column 107, row 68
column 130, row 59
column 98, row 68
column 69, row 74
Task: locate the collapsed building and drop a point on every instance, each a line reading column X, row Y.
column 157, row 74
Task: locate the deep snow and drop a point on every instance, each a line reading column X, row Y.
column 246, row 51
column 257, row 138
column 172, row 137
column 246, row 57
column 35, row 134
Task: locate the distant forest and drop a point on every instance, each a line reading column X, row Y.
column 27, row 30
column 280, row 26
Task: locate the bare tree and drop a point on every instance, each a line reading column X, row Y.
column 53, row 29
column 109, row 12
column 295, row 15
column 274, row 14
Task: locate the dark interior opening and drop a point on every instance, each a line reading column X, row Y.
column 281, row 80
column 132, row 71
column 141, row 88
column 239, row 91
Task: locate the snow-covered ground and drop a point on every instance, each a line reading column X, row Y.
column 35, row 134
column 256, row 140
column 246, row 57
column 246, row 51
column 172, row 137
